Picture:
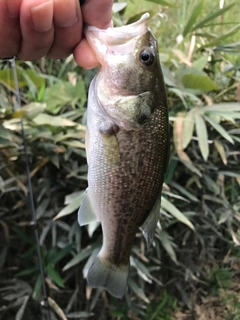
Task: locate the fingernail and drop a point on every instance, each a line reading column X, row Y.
column 42, row 16
column 65, row 12
column 13, row 7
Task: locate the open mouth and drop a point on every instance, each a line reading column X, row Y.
column 101, row 39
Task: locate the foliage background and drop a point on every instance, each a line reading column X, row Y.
column 192, row 269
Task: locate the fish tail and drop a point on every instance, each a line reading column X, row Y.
column 109, row 276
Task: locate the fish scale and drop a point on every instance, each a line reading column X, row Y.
column 127, row 146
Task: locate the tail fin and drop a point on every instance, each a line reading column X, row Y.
column 105, row 275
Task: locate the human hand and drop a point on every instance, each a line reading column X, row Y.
column 31, row 29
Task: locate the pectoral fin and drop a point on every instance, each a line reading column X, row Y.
column 149, row 226
column 86, row 212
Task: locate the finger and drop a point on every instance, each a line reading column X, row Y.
column 84, row 56
column 10, row 35
column 67, row 28
column 36, row 20
column 99, row 14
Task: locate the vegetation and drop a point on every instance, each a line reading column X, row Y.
column 192, row 269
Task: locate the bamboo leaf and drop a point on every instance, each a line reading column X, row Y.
column 74, row 205
column 168, row 245
column 139, row 291
column 222, row 107
column 213, row 15
column 55, row 276
column 220, row 129
column 218, row 145
column 202, row 135
column 221, row 38
column 195, row 14
column 20, row 313
column 200, row 63
column 57, row 309
column 198, row 81
column 168, row 206
column 46, row 119
column 188, row 126
column 184, row 191
column 61, row 254
column 80, row 257
column 162, row 3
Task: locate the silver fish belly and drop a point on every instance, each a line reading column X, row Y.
column 127, row 146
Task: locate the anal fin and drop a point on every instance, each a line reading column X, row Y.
column 148, row 228
column 86, row 212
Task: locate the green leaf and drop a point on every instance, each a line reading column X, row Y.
column 221, row 38
column 20, row 313
column 74, row 144
column 5, row 133
column 7, row 79
column 61, row 254
column 163, row 3
column 35, row 77
column 30, row 110
column 74, row 205
column 188, row 126
column 80, row 257
column 213, row 15
column 137, row 290
column 169, row 207
column 46, row 119
column 200, row 63
column 198, row 81
column 168, row 77
column 62, row 93
column 37, row 288
column 25, row 236
column 142, row 270
column 27, row 271
column 224, row 107
column 230, row 174
column 194, row 15
column 25, row 76
column 219, row 146
column 55, row 276
column 220, row 129
column 202, row 135
column 184, row 191
column 168, row 245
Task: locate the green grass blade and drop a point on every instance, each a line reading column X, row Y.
column 195, row 14
column 213, row 15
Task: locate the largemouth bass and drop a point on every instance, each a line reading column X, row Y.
column 127, row 145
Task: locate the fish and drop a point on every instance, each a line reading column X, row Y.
column 127, row 147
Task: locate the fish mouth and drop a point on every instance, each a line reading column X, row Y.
column 100, row 40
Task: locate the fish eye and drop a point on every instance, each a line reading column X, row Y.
column 147, row 56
